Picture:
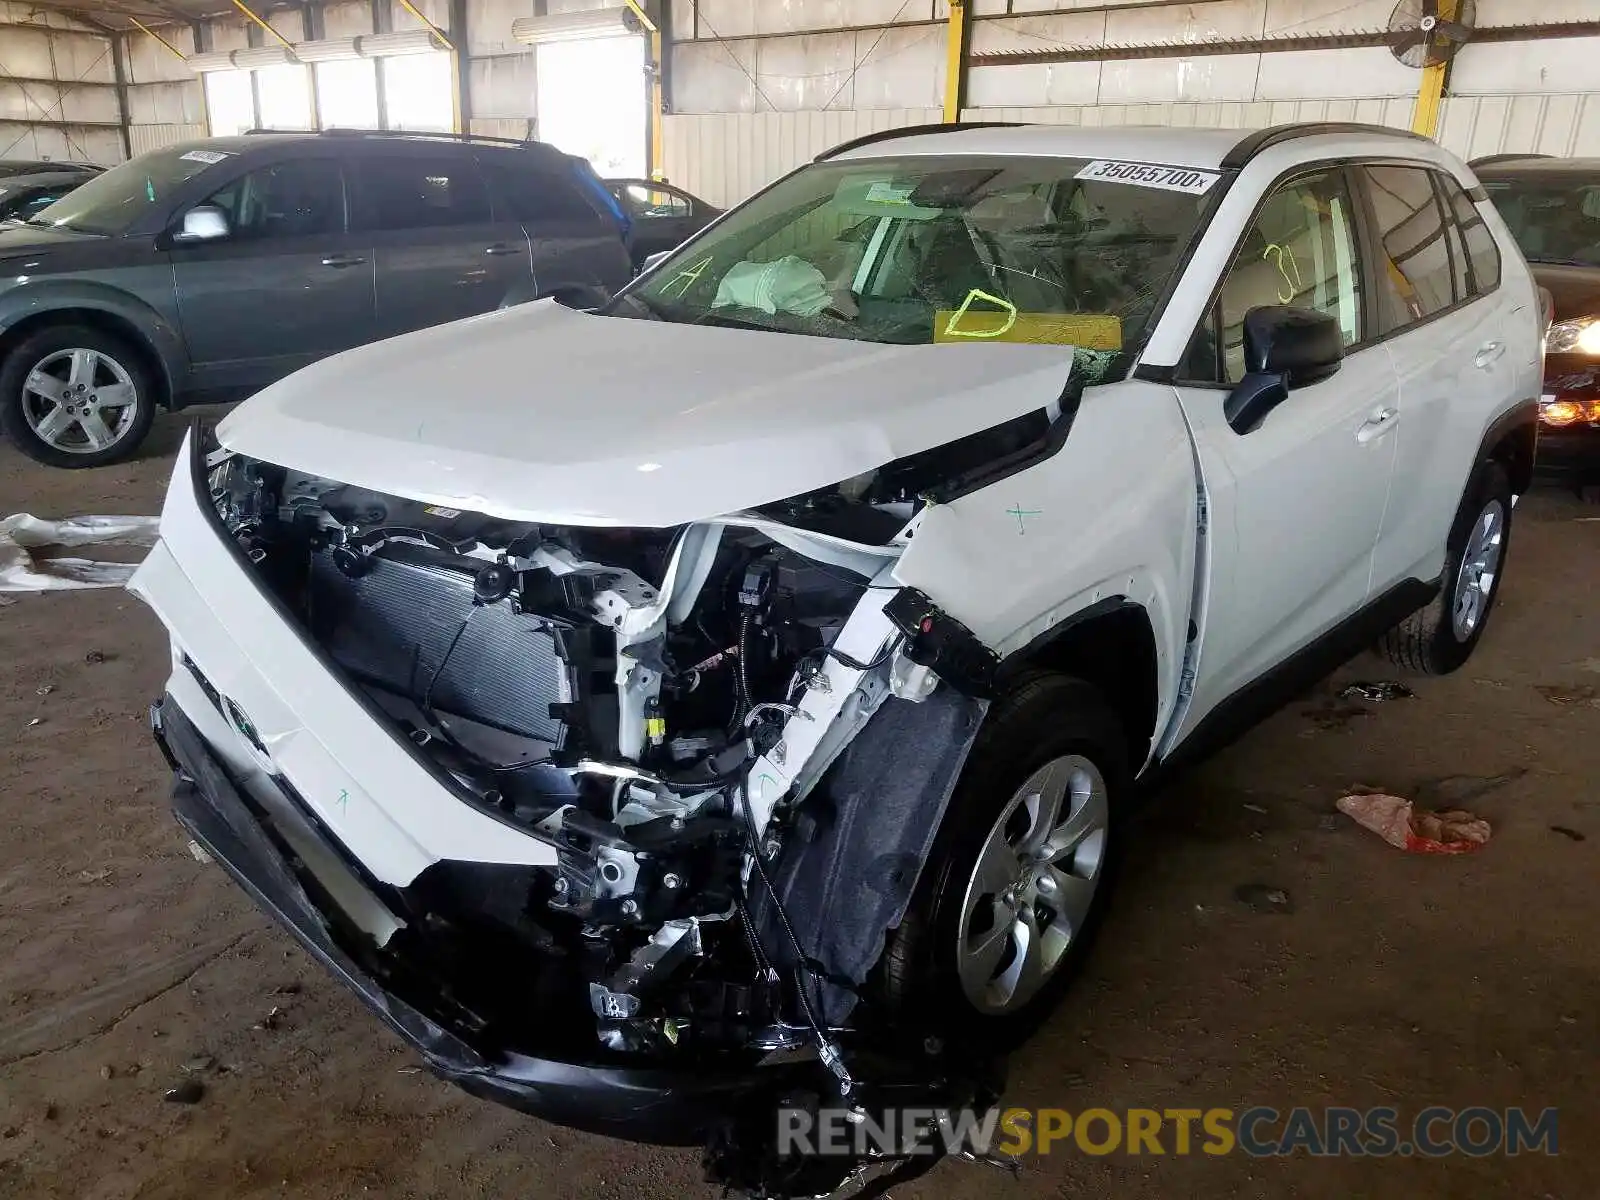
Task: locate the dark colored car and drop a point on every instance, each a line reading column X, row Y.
column 207, row 270
column 28, row 187
column 663, row 217
column 1553, row 208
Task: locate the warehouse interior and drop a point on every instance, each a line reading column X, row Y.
column 747, row 90
column 162, row 1038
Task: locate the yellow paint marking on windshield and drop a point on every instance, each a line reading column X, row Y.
column 1010, row 314
column 1088, row 331
column 687, row 277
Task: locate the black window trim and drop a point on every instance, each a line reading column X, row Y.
column 1440, row 179
column 1365, row 223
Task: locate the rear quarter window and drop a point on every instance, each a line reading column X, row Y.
column 536, row 194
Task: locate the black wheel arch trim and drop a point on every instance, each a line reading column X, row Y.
column 132, row 317
column 1522, row 418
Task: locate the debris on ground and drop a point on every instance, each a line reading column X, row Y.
column 20, row 571
column 199, row 1064
column 1263, row 898
column 51, row 1112
column 1568, row 832
column 35, row 721
column 1377, row 693
column 45, row 690
column 270, row 1021
column 1591, row 665
column 190, row 1091
column 1255, row 808
column 1583, row 693
column 198, row 852
column 1420, row 831
column 95, row 876
column 108, row 1072
column 94, row 657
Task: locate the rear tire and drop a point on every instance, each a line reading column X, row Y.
column 1438, row 639
column 1054, row 734
column 76, row 396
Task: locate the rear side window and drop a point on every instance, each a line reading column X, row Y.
column 1414, row 267
column 534, row 193
column 1483, row 256
column 422, row 193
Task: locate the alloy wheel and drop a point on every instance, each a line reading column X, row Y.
column 1480, row 567
column 1031, row 890
column 79, row 401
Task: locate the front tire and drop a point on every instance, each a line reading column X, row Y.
column 1018, row 880
column 1438, row 639
column 75, row 396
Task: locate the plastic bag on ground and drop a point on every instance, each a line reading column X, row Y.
column 1417, row 830
column 20, row 571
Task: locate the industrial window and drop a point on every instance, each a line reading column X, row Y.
column 534, row 193
column 417, row 92
column 230, row 102
column 1414, row 266
column 422, row 193
column 289, row 199
column 1299, row 251
column 347, row 94
column 1483, row 256
column 284, row 94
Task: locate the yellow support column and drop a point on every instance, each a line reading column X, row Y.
column 657, row 100
column 955, row 62
column 1430, row 95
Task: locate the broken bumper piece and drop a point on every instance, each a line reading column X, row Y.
column 638, row 1104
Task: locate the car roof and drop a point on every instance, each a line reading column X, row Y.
column 1535, row 164
column 1209, row 149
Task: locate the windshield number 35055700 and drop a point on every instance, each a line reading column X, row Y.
column 1172, row 179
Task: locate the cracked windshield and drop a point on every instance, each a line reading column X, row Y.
column 949, row 249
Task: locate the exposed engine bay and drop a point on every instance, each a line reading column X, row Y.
column 679, row 713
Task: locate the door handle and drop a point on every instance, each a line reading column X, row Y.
column 1487, row 354
column 1380, row 424
column 340, row 261
column 499, row 248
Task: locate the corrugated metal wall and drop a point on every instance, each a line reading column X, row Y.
column 58, row 98
column 726, row 156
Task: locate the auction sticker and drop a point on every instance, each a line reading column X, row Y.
column 1171, row 179
column 205, row 156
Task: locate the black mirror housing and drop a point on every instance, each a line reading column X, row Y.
column 1284, row 348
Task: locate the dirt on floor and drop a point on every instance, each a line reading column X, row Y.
column 128, row 969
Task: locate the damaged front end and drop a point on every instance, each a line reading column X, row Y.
column 730, row 744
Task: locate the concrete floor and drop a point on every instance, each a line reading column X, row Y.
column 1400, row 980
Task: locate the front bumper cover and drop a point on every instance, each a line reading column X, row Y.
column 637, row 1104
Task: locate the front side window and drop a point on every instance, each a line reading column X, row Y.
column 945, row 249
column 1299, row 251
column 289, row 199
column 423, row 193
column 1414, row 268
column 1554, row 215
column 649, row 202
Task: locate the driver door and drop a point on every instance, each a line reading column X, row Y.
column 286, row 286
column 1296, row 504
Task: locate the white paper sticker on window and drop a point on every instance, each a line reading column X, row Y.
column 1171, row 179
column 205, row 156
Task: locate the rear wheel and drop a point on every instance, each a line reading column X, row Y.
column 75, row 396
column 1021, row 870
column 1439, row 638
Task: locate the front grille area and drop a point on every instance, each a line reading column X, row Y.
column 392, row 627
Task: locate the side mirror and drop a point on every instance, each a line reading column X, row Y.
column 655, row 260
column 1284, row 348
column 204, row 223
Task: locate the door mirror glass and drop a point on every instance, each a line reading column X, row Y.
column 203, row 223
column 1284, row 348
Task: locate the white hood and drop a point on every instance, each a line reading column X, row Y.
column 541, row 413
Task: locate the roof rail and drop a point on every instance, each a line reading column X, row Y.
column 1254, row 143
column 341, row 131
column 1488, row 160
column 884, row 135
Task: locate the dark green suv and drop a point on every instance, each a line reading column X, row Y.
column 207, row 270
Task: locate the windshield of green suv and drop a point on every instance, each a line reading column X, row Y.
column 113, row 201
column 943, row 249
column 1554, row 215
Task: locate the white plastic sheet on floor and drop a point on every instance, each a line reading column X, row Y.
column 20, row 571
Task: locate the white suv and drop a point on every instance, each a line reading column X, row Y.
column 731, row 696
